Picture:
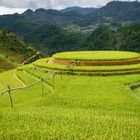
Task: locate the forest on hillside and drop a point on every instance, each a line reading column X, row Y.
column 50, row 39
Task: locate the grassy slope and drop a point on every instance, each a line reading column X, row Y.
column 81, row 107
column 9, row 59
column 6, row 64
column 97, row 55
column 13, row 50
column 13, row 56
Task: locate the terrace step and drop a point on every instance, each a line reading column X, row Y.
column 117, row 64
column 94, row 63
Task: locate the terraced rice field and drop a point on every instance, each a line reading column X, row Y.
column 127, row 63
column 79, row 107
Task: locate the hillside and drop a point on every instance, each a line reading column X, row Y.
column 49, row 104
column 50, row 39
column 125, row 38
column 29, row 20
column 12, row 50
column 114, row 13
column 83, row 11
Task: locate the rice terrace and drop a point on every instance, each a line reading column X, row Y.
column 81, row 95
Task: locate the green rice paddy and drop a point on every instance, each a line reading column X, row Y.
column 97, row 55
column 79, row 107
column 91, row 70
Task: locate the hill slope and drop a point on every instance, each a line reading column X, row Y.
column 50, row 39
column 12, row 50
column 113, row 13
column 29, row 20
column 125, row 38
column 116, row 11
column 83, row 11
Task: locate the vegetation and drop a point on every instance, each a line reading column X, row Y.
column 111, row 63
column 51, row 39
column 96, row 55
column 13, row 50
column 80, row 107
column 102, row 104
column 109, row 33
column 115, row 13
column 11, row 56
column 10, row 42
column 6, row 64
column 43, row 63
column 125, row 38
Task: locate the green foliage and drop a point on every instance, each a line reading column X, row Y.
column 130, row 38
column 126, row 38
column 51, row 39
column 13, row 50
column 11, row 42
column 114, row 13
column 100, row 39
